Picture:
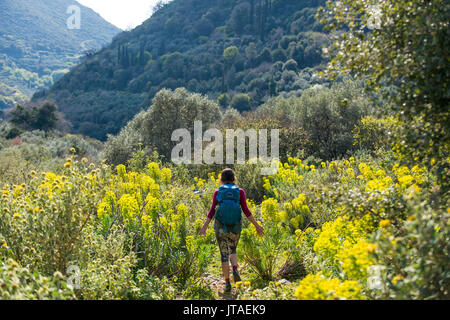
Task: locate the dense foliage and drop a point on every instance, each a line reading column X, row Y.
column 401, row 49
column 37, row 48
column 21, row 152
column 318, row 124
column 42, row 118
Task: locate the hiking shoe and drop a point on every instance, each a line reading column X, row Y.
column 227, row 287
column 236, row 276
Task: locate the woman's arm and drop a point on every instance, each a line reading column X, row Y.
column 259, row 228
column 202, row 231
column 248, row 214
column 211, row 214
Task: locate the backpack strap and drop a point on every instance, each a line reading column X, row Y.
column 226, row 187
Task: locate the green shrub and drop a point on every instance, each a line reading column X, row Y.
column 42, row 221
column 263, row 254
column 107, row 266
column 40, row 118
column 373, row 134
column 18, row 283
column 241, row 102
column 223, row 100
column 12, row 133
column 413, row 257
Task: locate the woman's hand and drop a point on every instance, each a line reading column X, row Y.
column 202, row 231
column 260, row 230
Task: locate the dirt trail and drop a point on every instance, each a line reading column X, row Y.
column 217, row 285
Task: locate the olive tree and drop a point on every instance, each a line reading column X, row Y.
column 153, row 128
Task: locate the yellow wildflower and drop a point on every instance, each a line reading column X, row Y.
column 385, row 223
column 371, row 248
column 283, row 215
column 317, row 287
column 397, row 278
column 121, row 170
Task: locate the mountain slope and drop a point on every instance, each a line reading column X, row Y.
column 269, row 46
column 37, row 47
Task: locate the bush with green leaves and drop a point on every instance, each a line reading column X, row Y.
column 19, row 283
column 224, row 100
column 401, row 53
column 264, row 255
column 38, row 118
column 41, row 151
column 107, row 265
column 42, row 221
column 413, row 256
column 326, row 115
column 375, row 134
column 241, row 102
column 275, row 290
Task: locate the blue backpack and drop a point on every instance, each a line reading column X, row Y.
column 229, row 211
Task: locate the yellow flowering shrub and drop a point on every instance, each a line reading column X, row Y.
column 341, row 232
column 269, row 210
column 317, row 287
column 154, row 171
column 129, row 207
column 107, row 206
column 42, row 222
column 356, row 260
column 121, row 170
column 342, row 246
column 166, row 175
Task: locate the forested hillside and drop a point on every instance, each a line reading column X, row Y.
column 259, row 48
column 37, row 47
column 358, row 208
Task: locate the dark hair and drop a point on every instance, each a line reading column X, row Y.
column 227, row 176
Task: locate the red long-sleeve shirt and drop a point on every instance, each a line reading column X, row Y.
column 242, row 202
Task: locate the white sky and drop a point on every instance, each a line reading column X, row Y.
column 124, row 14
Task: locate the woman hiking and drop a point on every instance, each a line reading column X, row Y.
column 227, row 224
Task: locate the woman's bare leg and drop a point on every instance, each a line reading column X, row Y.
column 233, row 259
column 226, row 270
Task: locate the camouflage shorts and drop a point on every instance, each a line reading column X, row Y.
column 227, row 240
